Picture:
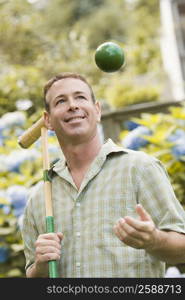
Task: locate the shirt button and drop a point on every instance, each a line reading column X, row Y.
column 78, row 264
column 78, row 233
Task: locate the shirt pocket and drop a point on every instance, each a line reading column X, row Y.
column 112, row 209
column 119, row 206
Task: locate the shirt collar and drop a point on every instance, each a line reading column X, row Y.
column 108, row 147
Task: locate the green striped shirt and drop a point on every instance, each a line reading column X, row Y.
column 116, row 181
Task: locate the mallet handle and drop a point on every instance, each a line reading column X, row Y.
column 48, row 197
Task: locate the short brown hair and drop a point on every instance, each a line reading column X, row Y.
column 63, row 76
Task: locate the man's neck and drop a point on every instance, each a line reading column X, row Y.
column 80, row 156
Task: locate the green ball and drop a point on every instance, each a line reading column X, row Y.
column 109, row 57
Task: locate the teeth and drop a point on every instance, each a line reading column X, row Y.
column 75, row 118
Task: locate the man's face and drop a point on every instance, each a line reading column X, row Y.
column 73, row 115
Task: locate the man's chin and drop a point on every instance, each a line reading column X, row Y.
column 74, row 137
column 77, row 135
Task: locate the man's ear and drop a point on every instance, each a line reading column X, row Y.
column 47, row 120
column 98, row 110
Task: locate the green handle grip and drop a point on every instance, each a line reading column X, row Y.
column 53, row 272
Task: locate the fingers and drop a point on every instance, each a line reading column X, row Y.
column 48, row 247
column 127, row 235
column 47, row 243
column 143, row 213
column 42, row 248
column 52, row 236
column 46, row 256
column 130, row 235
column 145, row 226
column 126, row 229
column 145, row 223
column 137, row 233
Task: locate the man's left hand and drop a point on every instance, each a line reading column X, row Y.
column 139, row 234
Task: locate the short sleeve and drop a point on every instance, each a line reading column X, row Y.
column 155, row 193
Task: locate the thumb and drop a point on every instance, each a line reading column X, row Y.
column 144, row 216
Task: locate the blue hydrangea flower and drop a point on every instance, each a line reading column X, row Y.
column 130, row 125
column 178, row 138
column 17, row 157
column 4, row 202
column 18, row 196
column 179, row 149
column 2, row 138
column 134, row 139
column 12, row 119
column 178, row 134
column 4, row 254
column 6, row 209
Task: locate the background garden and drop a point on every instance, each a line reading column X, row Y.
column 41, row 38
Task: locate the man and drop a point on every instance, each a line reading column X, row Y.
column 115, row 212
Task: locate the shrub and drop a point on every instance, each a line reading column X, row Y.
column 20, row 169
column 163, row 136
column 124, row 93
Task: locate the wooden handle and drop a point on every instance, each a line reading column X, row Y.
column 46, row 166
column 48, row 197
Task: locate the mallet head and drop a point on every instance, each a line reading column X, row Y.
column 31, row 134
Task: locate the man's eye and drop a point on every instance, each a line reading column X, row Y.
column 81, row 97
column 60, row 101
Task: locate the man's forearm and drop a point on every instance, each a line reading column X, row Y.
column 169, row 247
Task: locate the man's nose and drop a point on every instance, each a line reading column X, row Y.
column 72, row 104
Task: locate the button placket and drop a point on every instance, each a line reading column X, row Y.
column 77, row 235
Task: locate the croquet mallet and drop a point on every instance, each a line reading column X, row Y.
column 26, row 140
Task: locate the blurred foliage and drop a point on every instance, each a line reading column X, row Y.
column 12, row 261
column 41, row 38
column 20, row 170
column 166, row 141
column 122, row 93
column 112, row 22
column 20, row 83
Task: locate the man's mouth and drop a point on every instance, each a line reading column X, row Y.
column 75, row 118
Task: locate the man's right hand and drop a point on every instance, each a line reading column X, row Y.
column 47, row 247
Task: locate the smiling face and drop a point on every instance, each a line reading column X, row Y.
column 72, row 114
